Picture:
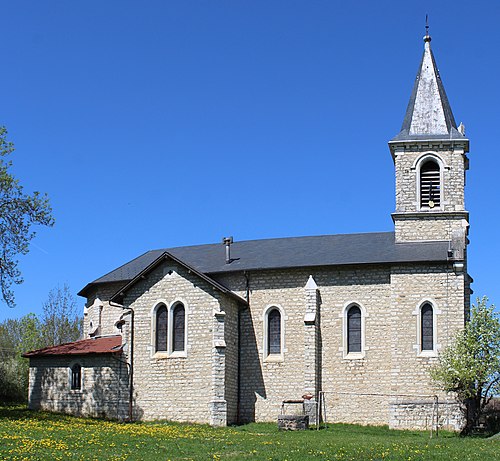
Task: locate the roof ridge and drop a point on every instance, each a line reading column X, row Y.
column 270, row 239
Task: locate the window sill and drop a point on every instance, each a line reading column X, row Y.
column 427, row 354
column 273, row 358
column 355, row 356
column 160, row 355
column 177, row 355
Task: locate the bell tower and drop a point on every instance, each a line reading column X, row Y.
column 430, row 158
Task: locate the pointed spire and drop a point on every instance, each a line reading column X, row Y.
column 429, row 114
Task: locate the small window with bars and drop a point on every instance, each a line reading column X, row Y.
column 430, row 185
column 274, row 332
column 427, row 327
column 76, row 377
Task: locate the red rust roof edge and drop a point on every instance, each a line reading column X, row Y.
column 92, row 346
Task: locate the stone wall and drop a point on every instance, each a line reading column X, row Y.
column 432, row 226
column 360, row 388
column 102, row 315
column 425, row 414
column 188, row 386
column 201, row 385
column 231, row 318
column 453, row 164
column 104, row 391
column 413, row 222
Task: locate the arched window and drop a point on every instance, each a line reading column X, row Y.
column 161, row 328
column 179, row 328
column 274, row 332
column 427, row 327
column 76, row 377
column 430, row 184
column 354, row 329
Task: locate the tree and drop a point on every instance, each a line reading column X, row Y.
column 18, row 213
column 16, row 337
column 59, row 323
column 470, row 366
column 60, row 320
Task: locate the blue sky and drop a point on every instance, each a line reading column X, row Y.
column 166, row 123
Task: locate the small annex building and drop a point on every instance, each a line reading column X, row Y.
column 223, row 333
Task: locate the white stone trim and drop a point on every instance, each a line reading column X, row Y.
column 265, row 340
column 417, row 165
column 170, row 351
column 344, row 348
column 418, row 336
column 426, row 156
column 311, row 284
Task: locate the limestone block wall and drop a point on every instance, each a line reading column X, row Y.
column 410, row 288
column 453, row 164
column 426, row 414
column 353, row 383
column 104, row 391
column 266, row 383
column 184, row 386
column 107, row 316
column 415, row 223
column 231, row 363
column 429, row 227
column 358, row 389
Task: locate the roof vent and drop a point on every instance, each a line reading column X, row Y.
column 228, row 241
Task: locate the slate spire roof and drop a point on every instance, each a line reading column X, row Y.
column 429, row 114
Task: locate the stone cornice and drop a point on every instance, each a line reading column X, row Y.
column 430, row 214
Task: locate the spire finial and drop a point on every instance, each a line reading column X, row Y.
column 427, row 37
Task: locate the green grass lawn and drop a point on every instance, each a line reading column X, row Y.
column 26, row 435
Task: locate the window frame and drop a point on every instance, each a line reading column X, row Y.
column 345, row 340
column 172, row 330
column 71, row 375
column 160, row 305
column 267, row 356
column 169, row 352
column 435, row 314
column 424, row 310
column 420, row 162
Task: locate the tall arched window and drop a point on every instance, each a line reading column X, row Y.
column 427, row 327
column 430, row 184
column 76, row 377
column 161, row 328
column 274, row 332
column 179, row 328
column 354, row 329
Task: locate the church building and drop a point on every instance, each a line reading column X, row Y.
column 223, row 333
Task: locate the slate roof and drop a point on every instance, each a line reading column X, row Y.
column 102, row 345
column 428, row 115
column 280, row 253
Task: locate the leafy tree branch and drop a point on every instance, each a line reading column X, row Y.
column 18, row 213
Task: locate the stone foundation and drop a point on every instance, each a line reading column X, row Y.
column 293, row 422
column 422, row 414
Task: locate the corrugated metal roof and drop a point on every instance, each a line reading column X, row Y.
column 324, row 250
column 102, row 345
